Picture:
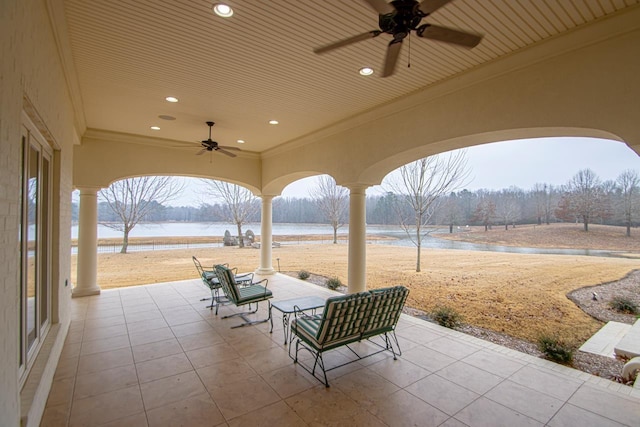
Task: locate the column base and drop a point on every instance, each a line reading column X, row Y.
column 265, row 271
column 85, row 292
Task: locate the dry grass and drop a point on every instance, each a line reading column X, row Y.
column 521, row 295
column 554, row 236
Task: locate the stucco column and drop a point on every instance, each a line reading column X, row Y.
column 266, row 239
column 87, row 272
column 357, row 279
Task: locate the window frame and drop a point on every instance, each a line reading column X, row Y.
column 34, row 144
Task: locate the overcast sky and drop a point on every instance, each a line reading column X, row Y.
column 519, row 163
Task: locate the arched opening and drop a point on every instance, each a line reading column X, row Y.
column 439, row 273
column 515, row 280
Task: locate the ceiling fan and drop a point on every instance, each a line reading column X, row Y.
column 211, row 145
column 399, row 18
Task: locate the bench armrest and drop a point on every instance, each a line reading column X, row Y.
column 298, row 313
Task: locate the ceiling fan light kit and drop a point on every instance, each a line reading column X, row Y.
column 398, row 18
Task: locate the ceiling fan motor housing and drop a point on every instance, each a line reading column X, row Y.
column 406, row 17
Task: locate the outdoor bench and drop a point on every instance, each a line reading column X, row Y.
column 348, row 319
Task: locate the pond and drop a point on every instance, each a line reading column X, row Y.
column 188, row 229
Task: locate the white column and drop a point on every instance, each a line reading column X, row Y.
column 87, row 272
column 266, row 239
column 357, row 279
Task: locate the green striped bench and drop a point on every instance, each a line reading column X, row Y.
column 348, row 319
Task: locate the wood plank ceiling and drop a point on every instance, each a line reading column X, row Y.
column 258, row 65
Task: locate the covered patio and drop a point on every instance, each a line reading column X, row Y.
column 88, row 95
column 154, row 355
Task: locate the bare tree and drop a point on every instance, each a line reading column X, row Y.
column 239, row 204
column 586, row 196
column 332, row 200
column 628, row 183
column 421, row 186
column 507, row 207
column 544, row 196
column 133, row 199
column 451, row 211
column 485, row 210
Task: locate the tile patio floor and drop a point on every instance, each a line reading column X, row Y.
column 154, row 355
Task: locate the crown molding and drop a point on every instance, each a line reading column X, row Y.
column 55, row 9
column 164, row 143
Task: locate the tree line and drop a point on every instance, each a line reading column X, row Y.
column 584, row 199
column 419, row 195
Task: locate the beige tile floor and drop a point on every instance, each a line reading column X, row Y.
column 154, row 355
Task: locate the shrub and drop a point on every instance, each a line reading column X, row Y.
column 303, row 274
column 447, row 317
column 555, row 349
column 333, row 283
column 624, row 305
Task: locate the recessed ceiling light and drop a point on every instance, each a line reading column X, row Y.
column 165, row 117
column 240, row 141
column 366, row 71
column 273, row 122
column 171, row 99
column 155, row 128
column 223, row 10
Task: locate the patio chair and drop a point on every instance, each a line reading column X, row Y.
column 253, row 293
column 210, row 279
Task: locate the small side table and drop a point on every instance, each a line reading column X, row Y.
column 288, row 306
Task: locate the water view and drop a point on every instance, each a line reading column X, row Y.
column 191, row 229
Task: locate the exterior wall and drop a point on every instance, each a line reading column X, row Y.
column 583, row 84
column 30, row 67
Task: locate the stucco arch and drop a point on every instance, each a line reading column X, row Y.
column 224, row 179
column 105, row 157
column 377, row 172
column 275, row 187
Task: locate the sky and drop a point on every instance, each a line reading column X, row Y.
column 499, row 165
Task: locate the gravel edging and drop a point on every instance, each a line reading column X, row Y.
column 627, row 287
column 601, row 366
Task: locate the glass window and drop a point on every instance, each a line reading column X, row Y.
column 32, row 243
column 35, row 244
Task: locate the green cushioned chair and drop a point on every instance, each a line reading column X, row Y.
column 246, row 295
column 210, row 279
